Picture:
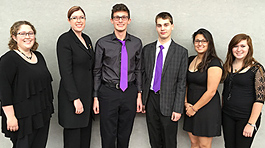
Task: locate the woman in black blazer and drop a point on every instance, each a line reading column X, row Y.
column 75, row 59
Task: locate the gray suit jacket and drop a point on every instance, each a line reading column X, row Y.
column 173, row 81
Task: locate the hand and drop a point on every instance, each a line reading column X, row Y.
column 79, row 109
column 12, row 124
column 139, row 103
column 190, row 112
column 187, row 105
column 96, row 105
column 175, row 116
column 248, row 131
column 143, row 109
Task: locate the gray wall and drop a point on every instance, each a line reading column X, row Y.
column 223, row 18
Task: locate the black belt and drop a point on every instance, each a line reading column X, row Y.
column 115, row 85
column 156, row 93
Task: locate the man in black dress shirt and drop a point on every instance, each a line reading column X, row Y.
column 117, row 105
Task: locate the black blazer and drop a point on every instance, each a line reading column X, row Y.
column 76, row 70
column 173, row 80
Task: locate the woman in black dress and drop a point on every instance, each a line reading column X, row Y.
column 25, row 90
column 75, row 59
column 202, row 102
column 243, row 94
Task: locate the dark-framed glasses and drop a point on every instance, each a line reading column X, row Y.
column 75, row 18
column 202, row 41
column 117, row 18
column 24, row 34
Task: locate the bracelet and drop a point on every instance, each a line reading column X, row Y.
column 193, row 109
column 253, row 125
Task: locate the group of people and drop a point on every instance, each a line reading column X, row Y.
column 120, row 78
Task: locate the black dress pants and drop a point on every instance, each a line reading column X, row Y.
column 161, row 129
column 37, row 139
column 117, row 112
column 77, row 137
column 233, row 132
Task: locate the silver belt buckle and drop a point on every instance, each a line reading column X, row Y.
column 117, row 86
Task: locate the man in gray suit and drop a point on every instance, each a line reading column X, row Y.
column 164, row 84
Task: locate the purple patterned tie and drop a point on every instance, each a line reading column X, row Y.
column 124, row 67
column 158, row 70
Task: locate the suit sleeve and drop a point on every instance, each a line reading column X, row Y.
column 181, row 84
column 65, row 62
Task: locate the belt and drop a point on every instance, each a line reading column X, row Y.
column 156, row 93
column 115, row 85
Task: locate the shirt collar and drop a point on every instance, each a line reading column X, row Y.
column 127, row 37
column 166, row 45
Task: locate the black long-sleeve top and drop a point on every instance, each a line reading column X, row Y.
column 108, row 60
column 241, row 90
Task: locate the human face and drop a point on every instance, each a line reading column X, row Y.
column 200, row 44
column 24, row 38
column 77, row 21
column 240, row 50
column 121, row 24
column 164, row 29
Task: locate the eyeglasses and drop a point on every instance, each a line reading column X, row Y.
column 117, row 18
column 204, row 42
column 24, row 34
column 75, row 18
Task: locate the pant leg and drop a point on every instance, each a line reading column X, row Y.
column 229, row 130
column 71, row 138
column 242, row 141
column 86, row 135
column 127, row 112
column 169, row 132
column 40, row 136
column 108, row 108
column 153, row 121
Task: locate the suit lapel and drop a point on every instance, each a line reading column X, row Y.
column 80, row 44
column 169, row 56
column 152, row 58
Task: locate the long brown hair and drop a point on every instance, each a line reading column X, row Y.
column 248, row 60
column 210, row 53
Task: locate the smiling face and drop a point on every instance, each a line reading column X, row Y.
column 164, row 29
column 200, row 44
column 120, row 24
column 77, row 21
column 240, row 50
column 25, row 38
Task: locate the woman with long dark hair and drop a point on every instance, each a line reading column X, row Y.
column 202, row 102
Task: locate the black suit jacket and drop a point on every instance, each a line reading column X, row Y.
column 76, row 70
column 173, row 80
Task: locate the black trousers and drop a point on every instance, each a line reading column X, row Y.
column 233, row 132
column 37, row 139
column 161, row 129
column 117, row 112
column 77, row 137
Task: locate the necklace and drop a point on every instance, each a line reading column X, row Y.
column 28, row 57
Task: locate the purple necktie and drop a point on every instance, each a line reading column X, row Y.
column 124, row 67
column 158, row 70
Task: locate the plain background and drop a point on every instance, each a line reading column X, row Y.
column 223, row 18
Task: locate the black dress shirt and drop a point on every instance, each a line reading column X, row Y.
column 108, row 60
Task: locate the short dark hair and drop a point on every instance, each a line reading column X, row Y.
column 74, row 9
column 164, row 16
column 119, row 7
